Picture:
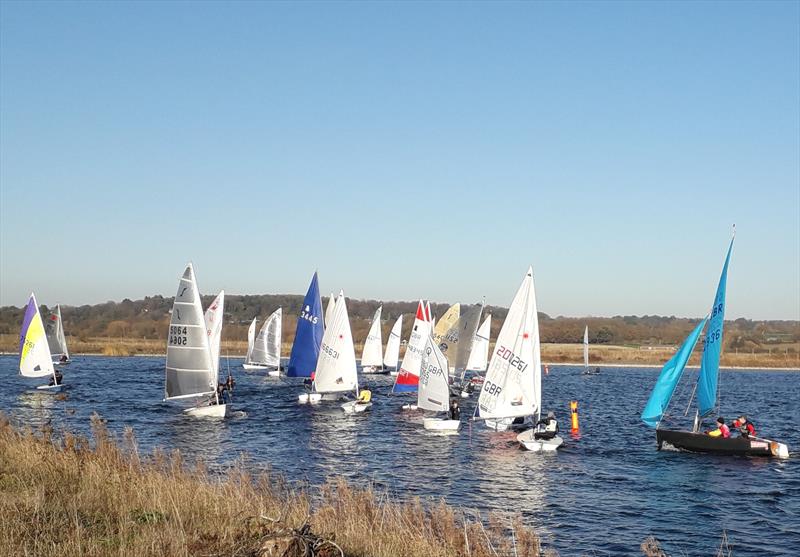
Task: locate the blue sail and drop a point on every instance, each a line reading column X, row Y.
column 712, row 346
column 308, row 336
column 670, row 375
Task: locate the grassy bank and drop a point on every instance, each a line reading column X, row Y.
column 66, row 495
column 552, row 353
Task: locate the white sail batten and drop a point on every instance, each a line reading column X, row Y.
column 189, row 370
column 513, row 380
column 336, row 366
column 373, row 346
column 392, row 354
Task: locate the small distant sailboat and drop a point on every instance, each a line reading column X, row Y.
column 264, row 350
column 56, row 339
column 479, row 356
column 434, row 388
column 408, row 376
column 706, row 388
column 512, row 391
column 371, row 357
column 336, row 372
column 392, row 355
column 192, row 349
column 34, row 354
column 308, row 335
column 456, row 344
column 586, row 369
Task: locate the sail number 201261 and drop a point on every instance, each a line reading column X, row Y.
column 178, row 336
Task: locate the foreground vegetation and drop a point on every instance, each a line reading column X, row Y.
column 66, row 496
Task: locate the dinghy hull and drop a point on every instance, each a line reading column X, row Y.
column 439, row 424
column 211, row 411
column 253, row 366
column 50, row 388
column 527, row 441
column 354, row 407
column 702, row 443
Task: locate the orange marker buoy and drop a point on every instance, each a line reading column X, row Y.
column 573, row 408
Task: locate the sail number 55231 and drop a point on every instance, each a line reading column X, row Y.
column 178, row 335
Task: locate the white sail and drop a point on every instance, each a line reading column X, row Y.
column 408, row 374
column 373, row 346
column 189, row 371
column 513, row 380
column 34, row 354
column 392, row 354
column 56, row 340
column 329, row 309
column 456, row 344
column 434, row 390
column 586, row 347
column 272, row 340
column 251, row 339
column 479, row 356
column 336, row 366
column 213, row 319
column 446, row 322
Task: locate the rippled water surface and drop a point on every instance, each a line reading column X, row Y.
column 602, row 494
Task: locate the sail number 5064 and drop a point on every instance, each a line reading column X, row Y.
column 178, row 335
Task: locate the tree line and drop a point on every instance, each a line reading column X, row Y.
column 149, row 319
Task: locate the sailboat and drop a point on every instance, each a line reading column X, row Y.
column 479, row 356
column 434, row 388
column 457, row 343
column 264, row 350
column 56, row 339
column 213, row 318
column 654, row 412
column 443, row 325
column 512, row 390
column 190, row 368
column 392, row 355
column 329, row 309
column 308, row 335
column 336, row 372
column 586, row 369
column 408, row 377
column 34, row 353
column 371, row 357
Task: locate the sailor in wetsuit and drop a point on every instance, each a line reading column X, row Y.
column 546, row 428
column 455, row 411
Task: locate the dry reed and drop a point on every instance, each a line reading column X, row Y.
column 68, row 495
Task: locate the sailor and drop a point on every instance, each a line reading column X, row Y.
column 547, row 427
column 745, row 428
column 230, row 383
column 63, row 359
column 455, row 411
column 722, row 429
column 222, row 396
column 57, row 379
column 364, row 396
column 307, row 383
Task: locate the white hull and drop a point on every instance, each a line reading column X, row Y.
column 394, row 373
column 316, row 398
column 527, row 441
column 355, row 407
column 50, row 388
column 60, row 363
column 373, row 370
column 504, row 424
column 439, row 424
column 211, row 411
column 274, row 373
column 254, row 366
column 409, row 407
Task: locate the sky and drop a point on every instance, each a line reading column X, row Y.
column 404, row 150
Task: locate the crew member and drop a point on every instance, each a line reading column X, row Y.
column 364, row 396
column 722, row 429
column 745, row 428
column 455, row 411
column 547, row 427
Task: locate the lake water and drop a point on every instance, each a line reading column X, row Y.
column 601, row 494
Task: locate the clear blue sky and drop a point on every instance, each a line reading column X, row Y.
column 404, row 150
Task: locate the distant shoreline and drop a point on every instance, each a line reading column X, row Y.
column 548, row 364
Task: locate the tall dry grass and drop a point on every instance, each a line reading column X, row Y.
column 67, row 495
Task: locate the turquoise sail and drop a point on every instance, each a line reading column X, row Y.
column 670, row 375
column 712, row 346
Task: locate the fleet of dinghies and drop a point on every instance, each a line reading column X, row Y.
column 437, row 357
